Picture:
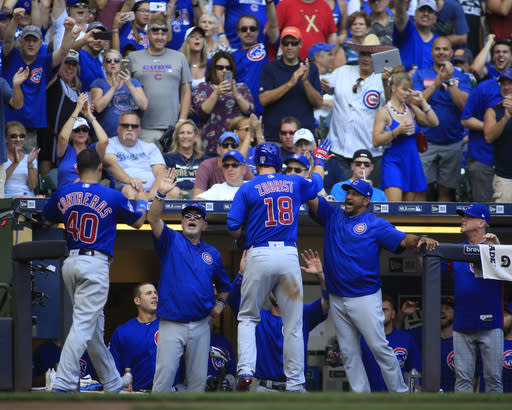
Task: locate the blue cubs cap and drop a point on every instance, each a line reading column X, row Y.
column 234, row 154
column 361, row 186
column 506, row 74
column 195, row 207
column 24, row 4
column 229, row 134
column 317, row 47
column 508, row 307
column 476, row 211
column 299, row 158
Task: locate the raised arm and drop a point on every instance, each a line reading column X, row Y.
column 272, row 27
column 314, row 267
column 67, row 128
column 60, row 54
column 16, row 101
column 167, row 183
column 478, row 67
column 401, row 16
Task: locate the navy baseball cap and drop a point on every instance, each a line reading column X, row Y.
column 508, row 307
column 362, row 153
column 463, row 55
column 24, row 4
column 317, row 47
column 506, row 74
column 195, row 207
column 476, row 211
column 299, row 158
column 96, row 25
column 234, row 154
column 361, row 186
column 229, row 134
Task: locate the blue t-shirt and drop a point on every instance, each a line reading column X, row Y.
column 478, row 302
column 183, row 20
column 352, row 246
column 449, row 130
column 90, row 69
column 413, row 50
column 122, row 101
column 249, row 63
column 133, row 345
column 5, row 96
column 127, row 36
column 270, row 334
column 33, row 112
column 270, row 205
column 405, row 349
column 451, row 19
column 485, row 95
column 507, row 367
column 234, row 9
column 339, row 193
column 90, row 213
column 188, row 272
column 293, row 103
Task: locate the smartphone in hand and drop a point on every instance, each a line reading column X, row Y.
column 125, row 64
column 129, row 16
column 103, row 35
column 228, row 76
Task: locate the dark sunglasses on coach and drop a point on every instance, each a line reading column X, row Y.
column 189, row 215
column 157, row 29
column 132, row 126
column 115, row 60
column 231, row 164
column 245, row 29
column 233, row 145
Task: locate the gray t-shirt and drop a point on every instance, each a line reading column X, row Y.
column 161, row 76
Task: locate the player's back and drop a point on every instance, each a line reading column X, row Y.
column 89, row 212
column 270, row 204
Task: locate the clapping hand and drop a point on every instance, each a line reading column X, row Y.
column 168, row 181
column 313, row 264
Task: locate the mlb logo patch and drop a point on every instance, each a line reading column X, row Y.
column 359, row 229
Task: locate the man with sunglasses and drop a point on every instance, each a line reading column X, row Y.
column 91, row 66
column 233, row 168
column 362, row 168
column 252, row 56
column 135, row 164
column 289, row 86
column 210, row 171
column 288, row 128
column 189, row 269
column 296, row 164
column 166, row 77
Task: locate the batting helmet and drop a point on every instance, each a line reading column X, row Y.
column 268, row 154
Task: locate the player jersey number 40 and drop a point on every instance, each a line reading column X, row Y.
column 279, row 211
column 84, row 227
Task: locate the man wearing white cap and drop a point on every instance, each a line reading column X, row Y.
column 414, row 35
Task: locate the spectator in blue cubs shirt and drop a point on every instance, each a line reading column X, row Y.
column 403, row 345
column 501, row 57
column 478, row 302
column 507, row 352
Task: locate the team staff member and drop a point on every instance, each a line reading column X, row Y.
column 133, row 344
column 189, row 268
column 90, row 212
column 353, row 239
column 269, row 205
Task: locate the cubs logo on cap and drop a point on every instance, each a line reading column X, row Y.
column 476, row 211
column 361, row 186
column 195, row 207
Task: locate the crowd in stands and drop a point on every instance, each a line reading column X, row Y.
column 208, row 64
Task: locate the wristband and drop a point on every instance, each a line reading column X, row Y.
column 160, row 196
column 428, row 109
column 116, row 30
column 319, row 161
column 222, row 300
column 141, row 204
column 93, row 118
column 221, row 303
column 325, row 294
column 181, row 119
column 74, row 117
column 220, row 35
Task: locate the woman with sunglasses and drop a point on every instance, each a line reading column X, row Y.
column 396, row 127
column 20, row 168
column 209, row 22
column 185, row 156
column 220, row 99
column 74, row 138
column 117, row 93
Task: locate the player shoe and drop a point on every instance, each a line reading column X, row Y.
column 243, row 382
column 62, row 391
column 300, row 389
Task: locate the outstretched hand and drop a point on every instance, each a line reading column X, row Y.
column 313, row 263
column 168, row 181
column 321, row 153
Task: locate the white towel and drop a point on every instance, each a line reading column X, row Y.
column 496, row 262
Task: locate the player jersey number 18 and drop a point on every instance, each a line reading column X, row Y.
column 284, row 211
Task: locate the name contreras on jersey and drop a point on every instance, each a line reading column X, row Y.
column 274, row 186
column 79, row 198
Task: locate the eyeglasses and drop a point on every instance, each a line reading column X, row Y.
column 231, row 164
column 289, row 170
column 287, row 132
column 221, row 67
column 290, row 43
column 81, row 129
column 360, row 163
column 143, row 11
column 157, row 29
column 14, row 136
column 358, row 81
column 233, row 145
column 245, row 29
column 132, row 126
column 189, row 215
column 113, row 60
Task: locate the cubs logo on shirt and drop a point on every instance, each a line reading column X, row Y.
column 215, row 356
column 207, row 258
column 36, row 75
column 359, row 229
column 507, row 359
column 401, row 355
column 83, row 368
column 257, row 52
column 450, row 362
column 471, row 267
column 371, row 99
column 155, row 337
